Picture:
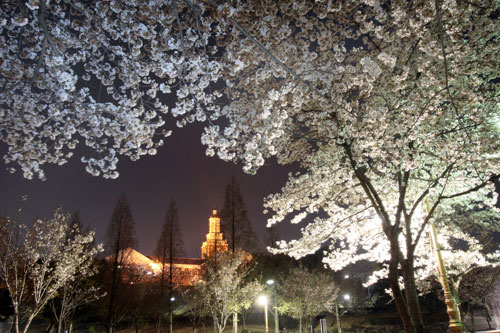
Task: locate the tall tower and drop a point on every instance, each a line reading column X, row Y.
column 214, row 241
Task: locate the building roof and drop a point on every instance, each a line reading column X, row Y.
column 184, row 261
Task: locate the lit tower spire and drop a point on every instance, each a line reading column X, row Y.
column 214, row 241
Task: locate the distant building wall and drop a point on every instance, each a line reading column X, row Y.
column 493, row 302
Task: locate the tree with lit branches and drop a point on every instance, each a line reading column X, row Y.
column 39, row 262
column 389, row 107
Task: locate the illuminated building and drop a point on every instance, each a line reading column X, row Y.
column 186, row 271
column 215, row 242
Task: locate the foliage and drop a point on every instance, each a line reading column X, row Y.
column 194, row 305
column 99, row 74
column 305, row 294
column 80, row 291
column 468, row 251
column 385, row 105
column 38, row 262
column 477, row 284
column 224, row 289
column 235, row 223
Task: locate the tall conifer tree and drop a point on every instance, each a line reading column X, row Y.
column 235, row 223
column 119, row 236
column 169, row 246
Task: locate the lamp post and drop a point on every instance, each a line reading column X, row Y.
column 270, row 282
column 263, row 301
column 170, row 314
column 451, row 307
column 346, row 298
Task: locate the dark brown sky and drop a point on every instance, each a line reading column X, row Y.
column 180, row 170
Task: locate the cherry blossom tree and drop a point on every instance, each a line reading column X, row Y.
column 194, row 306
column 389, row 107
column 305, row 294
column 100, row 75
column 81, row 290
column 224, row 289
column 469, row 253
column 36, row 262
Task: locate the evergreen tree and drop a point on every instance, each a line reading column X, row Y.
column 119, row 237
column 169, row 246
column 272, row 236
column 235, row 223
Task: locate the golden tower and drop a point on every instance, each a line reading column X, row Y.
column 215, row 242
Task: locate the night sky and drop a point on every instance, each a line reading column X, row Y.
column 180, row 170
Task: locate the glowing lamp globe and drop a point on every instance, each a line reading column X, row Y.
column 262, row 300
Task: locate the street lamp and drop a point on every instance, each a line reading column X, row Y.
column 347, row 297
column 263, row 301
column 270, row 282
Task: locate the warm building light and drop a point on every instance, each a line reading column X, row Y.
column 215, row 241
column 155, row 267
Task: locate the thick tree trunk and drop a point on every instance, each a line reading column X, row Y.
column 411, row 294
column 396, row 291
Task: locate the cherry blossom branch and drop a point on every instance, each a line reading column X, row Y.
column 372, row 194
column 402, row 183
column 43, row 23
column 474, row 189
column 40, row 60
column 432, row 185
column 181, row 35
column 446, row 70
column 267, row 52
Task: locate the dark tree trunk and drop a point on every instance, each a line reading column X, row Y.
column 114, row 278
column 396, row 291
column 411, row 294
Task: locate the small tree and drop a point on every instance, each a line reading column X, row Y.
column 235, row 223
column 305, row 294
column 78, row 292
column 224, row 288
column 194, row 307
column 36, row 262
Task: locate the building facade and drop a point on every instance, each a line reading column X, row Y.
column 185, row 271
